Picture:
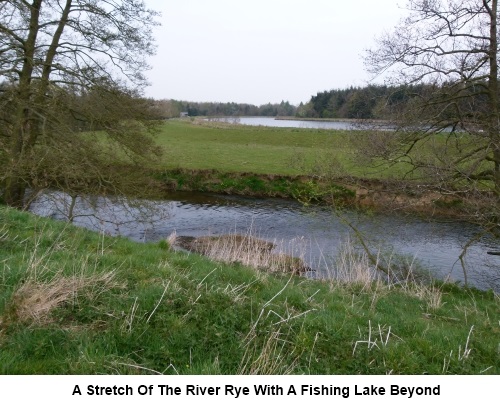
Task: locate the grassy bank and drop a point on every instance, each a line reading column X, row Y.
column 302, row 188
column 77, row 302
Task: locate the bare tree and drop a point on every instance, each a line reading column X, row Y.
column 71, row 72
column 448, row 135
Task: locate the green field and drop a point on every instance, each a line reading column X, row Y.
column 201, row 145
column 261, row 150
column 320, row 166
column 77, row 302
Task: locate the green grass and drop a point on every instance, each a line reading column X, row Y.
column 77, row 302
column 261, row 150
column 332, row 154
column 319, row 166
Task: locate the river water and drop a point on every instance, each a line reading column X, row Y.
column 315, row 233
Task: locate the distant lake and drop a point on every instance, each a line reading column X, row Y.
column 273, row 122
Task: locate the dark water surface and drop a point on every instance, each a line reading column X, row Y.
column 316, row 233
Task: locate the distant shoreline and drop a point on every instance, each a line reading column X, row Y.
column 284, row 118
column 292, row 118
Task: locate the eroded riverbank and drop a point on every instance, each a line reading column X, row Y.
column 376, row 195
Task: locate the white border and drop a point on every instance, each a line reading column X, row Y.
column 59, row 389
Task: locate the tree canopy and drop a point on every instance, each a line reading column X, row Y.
column 71, row 73
column 173, row 108
column 369, row 102
column 452, row 49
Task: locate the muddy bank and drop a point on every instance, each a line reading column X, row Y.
column 376, row 195
column 406, row 197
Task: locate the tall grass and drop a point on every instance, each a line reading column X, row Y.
column 351, row 266
column 46, row 286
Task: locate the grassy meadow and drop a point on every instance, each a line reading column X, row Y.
column 207, row 145
column 309, row 165
column 77, row 302
column 262, row 150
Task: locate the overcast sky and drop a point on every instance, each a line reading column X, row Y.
column 262, row 51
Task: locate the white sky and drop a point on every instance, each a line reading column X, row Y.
column 262, row 51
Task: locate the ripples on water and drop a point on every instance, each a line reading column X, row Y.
column 316, row 231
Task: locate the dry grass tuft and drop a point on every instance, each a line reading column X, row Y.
column 432, row 296
column 353, row 267
column 34, row 301
column 46, row 287
column 247, row 250
column 269, row 357
column 172, row 238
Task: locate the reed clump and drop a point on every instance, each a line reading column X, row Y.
column 247, row 250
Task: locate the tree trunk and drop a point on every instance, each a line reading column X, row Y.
column 493, row 125
column 15, row 184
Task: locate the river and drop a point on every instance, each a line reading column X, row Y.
column 316, row 233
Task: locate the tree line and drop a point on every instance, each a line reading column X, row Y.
column 165, row 109
column 369, row 102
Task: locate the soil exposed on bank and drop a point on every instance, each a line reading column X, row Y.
column 376, row 195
